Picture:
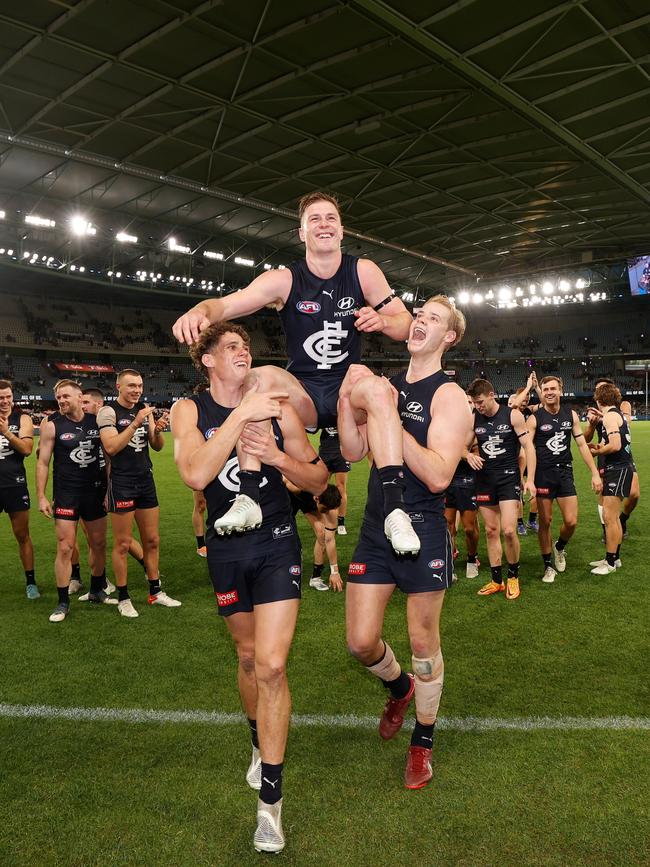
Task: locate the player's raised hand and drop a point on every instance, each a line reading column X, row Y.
column 187, row 327
column 142, row 414
column 257, row 406
column 162, row 422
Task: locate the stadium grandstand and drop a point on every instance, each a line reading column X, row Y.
column 153, row 155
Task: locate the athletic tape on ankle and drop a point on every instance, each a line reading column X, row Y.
column 388, row 668
column 429, row 677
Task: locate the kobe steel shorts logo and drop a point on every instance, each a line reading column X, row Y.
column 357, row 569
column 308, row 306
column 61, row 511
column 228, row 598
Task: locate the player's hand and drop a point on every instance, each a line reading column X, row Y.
column 475, row 461
column 532, row 382
column 257, row 406
column 368, row 320
column 594, row 448
column 530, row 488
column 4, row 426
column 188, row 327
column 45, row 507
column 597, row 484
column 258, row 441
column 336, row 583
column 162, row 422
column 142, row 414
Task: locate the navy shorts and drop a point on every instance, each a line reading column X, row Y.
column 324, row 392
column 127, row 495
column 461, row 498
column 375, row 562
column 617, row 480
column 494, row 489
column 240, row 585
column 14, row 499
column 85, row 505
column 555, row 482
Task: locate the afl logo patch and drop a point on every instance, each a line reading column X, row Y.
column 294, row 570
column 308, row 306
column 124, row 422
column 436, row 564
column 66, row 436
column 414, row 406
column 480, row 430
column 546, row 427
column 346, row 303
column 210, row 432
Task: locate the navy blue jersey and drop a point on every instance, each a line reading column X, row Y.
column 622, row 457
column 12, row 463
column 414, row 407
column 278, row 522
column 497, row 441
column 318, row 320
column 133, row 460
column 77, row 452
column 553, row 437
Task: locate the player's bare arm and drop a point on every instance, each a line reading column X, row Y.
column 393, row 319
column 45, row 449
column 518, row 423
column 585, row 453
column 155, row 431
column 269, row 289
column 296, row 462
column 199, row 461
column 612, row 422
column 450, row 428
column 113, row 441
column 23, row 441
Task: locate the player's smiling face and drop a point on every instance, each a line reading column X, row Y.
column 130, row 389
column 551, row 392
column 320, row 229
column 69, row 400
column 430, row 329
column 230, row 358
column 6, row 401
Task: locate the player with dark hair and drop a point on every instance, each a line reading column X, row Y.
column 617, row 471
column 71, row 438
column 436, row 422
column 325, row 302
column 551, row 428
column 16, row 443
column 256, row 577
column 321, row 512
column 500, row 431
column 128, row 428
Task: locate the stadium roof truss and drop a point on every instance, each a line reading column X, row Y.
column 465, row 138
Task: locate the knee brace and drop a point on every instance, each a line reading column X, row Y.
column 429, row 677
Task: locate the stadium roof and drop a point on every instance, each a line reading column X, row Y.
column 462, row 138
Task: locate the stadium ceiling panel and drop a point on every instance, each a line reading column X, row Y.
column 462, row 138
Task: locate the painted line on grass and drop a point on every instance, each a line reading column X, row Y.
column 339, row 721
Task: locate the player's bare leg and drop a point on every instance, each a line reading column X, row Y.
column 492, row 520
column 122, row 526
column 148, row 525
column 545, row 519
column 613, row 537
column 508, row 510
column 66, row 532
column 242, row 630
column 198, row 522
column 275, row 624
column 469, row 520
column 20, row 529
column 630, row 503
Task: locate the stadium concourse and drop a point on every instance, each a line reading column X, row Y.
column 483, row 216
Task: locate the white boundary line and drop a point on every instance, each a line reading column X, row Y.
column 339, row 721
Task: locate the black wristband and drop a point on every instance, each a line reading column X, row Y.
column 383, row 303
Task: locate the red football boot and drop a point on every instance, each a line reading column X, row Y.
column 418, row 768
column 392, row 718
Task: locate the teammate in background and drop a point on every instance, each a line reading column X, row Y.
column 321, row 512
column 594, row 425
column 551, row 428
column 521, row 400
column 460, row 502
column 72, row 439
column 198, row 522
column 500, row 431
column 16, row 443
column 256, row 577
column 617, row 472
column 127, row 429
column 436, row 424
column 92, row 400
column 325, row 302
column 330, row 454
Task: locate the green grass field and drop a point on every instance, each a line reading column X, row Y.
column 163, row 793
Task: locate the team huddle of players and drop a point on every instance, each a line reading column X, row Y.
column 242, row 442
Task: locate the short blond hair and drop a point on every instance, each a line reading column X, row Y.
column 317, row 196
column 455, row 320
column 66, row 382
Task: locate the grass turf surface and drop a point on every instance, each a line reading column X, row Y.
column 81, row 793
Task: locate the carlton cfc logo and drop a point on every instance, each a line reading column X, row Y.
column 308, row 306
column 414, row 406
